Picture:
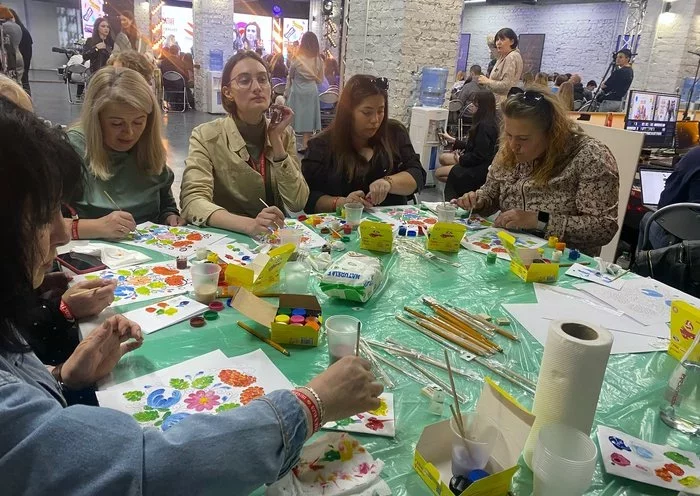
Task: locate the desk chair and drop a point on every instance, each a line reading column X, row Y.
column 328, row 97
column 174, row 78
column 682, row 220
column 75, row 75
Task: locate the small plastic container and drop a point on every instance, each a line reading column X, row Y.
column 205, row 280
column 446, row 212
column 564, row 461
column 353, row 213
column 473, row 451
column 342, row 336
column 292, row 236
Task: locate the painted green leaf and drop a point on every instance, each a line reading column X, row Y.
column 125, row 273
column 146, row 407
column 157, row 424
column 331, row 455
column 227, row 406
column 202, row 382
column 179, row 383
column 140, row 272
column 166, row 414
column 133, row 395
column 166, row 242
column 157, row 285
column 147, row 416
column 91, row 277
column 160, row 311
column 142, row 290
column 345, row 421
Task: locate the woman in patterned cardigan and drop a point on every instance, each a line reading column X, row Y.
column 549, row 177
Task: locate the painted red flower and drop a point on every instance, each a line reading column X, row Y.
column 202, row 400
column 374, row 423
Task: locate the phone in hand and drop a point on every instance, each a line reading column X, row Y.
column 80, row 263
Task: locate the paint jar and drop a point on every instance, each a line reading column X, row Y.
column 289, row 235
column 564, row 461
column 342, row 336
column 446, row 212
column 353, row 213
column 473, row 451
column 205, row 279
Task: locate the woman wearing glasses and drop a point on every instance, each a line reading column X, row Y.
column 549, row 177
column 363, row 157
column 237, row 161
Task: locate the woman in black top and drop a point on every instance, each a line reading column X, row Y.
column 465, row 169
column 25, row 48
column 363, row 157
column 99, row 46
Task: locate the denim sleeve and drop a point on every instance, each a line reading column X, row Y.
column 83, row 450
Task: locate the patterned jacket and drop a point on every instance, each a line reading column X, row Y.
column 581, row 199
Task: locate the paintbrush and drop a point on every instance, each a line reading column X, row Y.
column 268, row 206
column 432, row 377
column 405, row 372
column 474, row 337
column 357, row 344
column 383, row 376
column 458, row 418
column 112, row 200
column 431, row 302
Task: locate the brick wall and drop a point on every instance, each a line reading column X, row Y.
column 142, row 17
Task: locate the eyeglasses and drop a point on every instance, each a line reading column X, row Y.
column 245, row 81
column 382, row 83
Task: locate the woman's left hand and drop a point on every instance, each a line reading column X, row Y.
column 378, row 191
column 277, row 130
column 484, row 80
column 517, row 220
column 175, row 220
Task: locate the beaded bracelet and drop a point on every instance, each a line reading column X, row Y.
column 315, row 417
column 321, row 408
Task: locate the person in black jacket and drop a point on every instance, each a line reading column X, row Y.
column 465, row 169
column 363, row 157
column 616, row 86
column 25, row 48
column 99, row 46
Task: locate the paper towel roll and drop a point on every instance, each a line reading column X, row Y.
column 571, row 375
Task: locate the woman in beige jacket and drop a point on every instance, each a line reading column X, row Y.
column 509, row 67
column 237, row 161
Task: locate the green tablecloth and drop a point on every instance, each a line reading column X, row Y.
column 629, row 399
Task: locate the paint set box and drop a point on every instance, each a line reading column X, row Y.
column 433, row 457
column 527, row 263
column 262, row 273
column 295, row 319
column 685, row 324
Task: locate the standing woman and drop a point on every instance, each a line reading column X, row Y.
column 25, row 48
column 509, row 66
column 305, row 73
column 13, row 33
column 237, row 161
column 363, row 157
column 130, row 38
column 99, row 46
column 126, row 180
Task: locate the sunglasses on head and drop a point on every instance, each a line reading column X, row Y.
column 382, row 83
column 532, row 98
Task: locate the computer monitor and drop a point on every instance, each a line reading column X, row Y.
column 655, row 115
column 653, row 183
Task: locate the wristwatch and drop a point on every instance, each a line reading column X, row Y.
column 542, row 221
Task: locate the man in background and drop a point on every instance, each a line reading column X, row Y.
column 616, row 86
column 471, row 85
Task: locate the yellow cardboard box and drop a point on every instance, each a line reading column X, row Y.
column 524, row 262
column 263, row 271
column 445, row 236
column 376, row 236
column 685, row 324
column 264, row 313
column 433, row 457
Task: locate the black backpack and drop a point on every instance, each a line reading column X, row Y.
column 676, row 265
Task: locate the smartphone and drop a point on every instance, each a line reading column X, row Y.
column 80, row 263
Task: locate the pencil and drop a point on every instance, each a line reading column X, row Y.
column 249, row 329
column 112, row 200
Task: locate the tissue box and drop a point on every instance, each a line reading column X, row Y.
column 685, row 324
column 445, row 236
column 433, row 457
column 527, row 263
column 263, row 271
column 265, row 313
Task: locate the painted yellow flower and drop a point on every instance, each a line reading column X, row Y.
column 382, row 409
column 346, row 450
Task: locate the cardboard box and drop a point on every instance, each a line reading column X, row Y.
column 433, row 456
column 263, row 271
column 445, row 236
column 376, row 236
column 685, row 324
column 527, row 263
column 264, row 313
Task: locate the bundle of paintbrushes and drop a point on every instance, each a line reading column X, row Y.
column 411, row 246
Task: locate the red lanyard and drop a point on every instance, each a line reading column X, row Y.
column 261, row 166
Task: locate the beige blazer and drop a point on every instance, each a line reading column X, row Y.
column 217, row 174
column 506, row 74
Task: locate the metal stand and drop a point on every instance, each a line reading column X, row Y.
column 692, row 89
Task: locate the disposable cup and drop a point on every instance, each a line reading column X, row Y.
column 446, row 212
column 353, row 213
column 472, row 452
column 205, row 280
column 289, row 235
column 564, row 461
column 342, row 336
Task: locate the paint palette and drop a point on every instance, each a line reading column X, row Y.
column 309, row 239
column 173, row 241
column 230, row 251
column 406, row 216
column 209, row 384
column 379, row 422
column 144, row 282
column 487, row 240
column 663, row 466
column 157, row 316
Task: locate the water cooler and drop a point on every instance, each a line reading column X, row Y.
column 213, row 93
column 425, row 122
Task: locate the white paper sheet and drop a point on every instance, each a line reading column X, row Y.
column 162, row 314
column 231, row 251
column 310, row 239
column 531, row 319
column 173, row 241
column 545, row 290
column 594, row 275
column 380, row 422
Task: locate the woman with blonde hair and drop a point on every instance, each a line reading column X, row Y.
column 133, row 60
column 10, row 89
column 542, row 79
column 549, row 177
column 566, row 95
column 126, row 180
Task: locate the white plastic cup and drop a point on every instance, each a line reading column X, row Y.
column 473, row 451
column 353, row 213
column 288, row 235
column 205, row 280
column 446, row 212
column 342, row 336
column 564, row 461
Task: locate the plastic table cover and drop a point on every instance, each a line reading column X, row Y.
column 629, row 400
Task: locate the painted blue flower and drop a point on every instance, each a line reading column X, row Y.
column 157, row 400
column 173, row 419
column 124, row 291
column 183, row 303
column 619, row 443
